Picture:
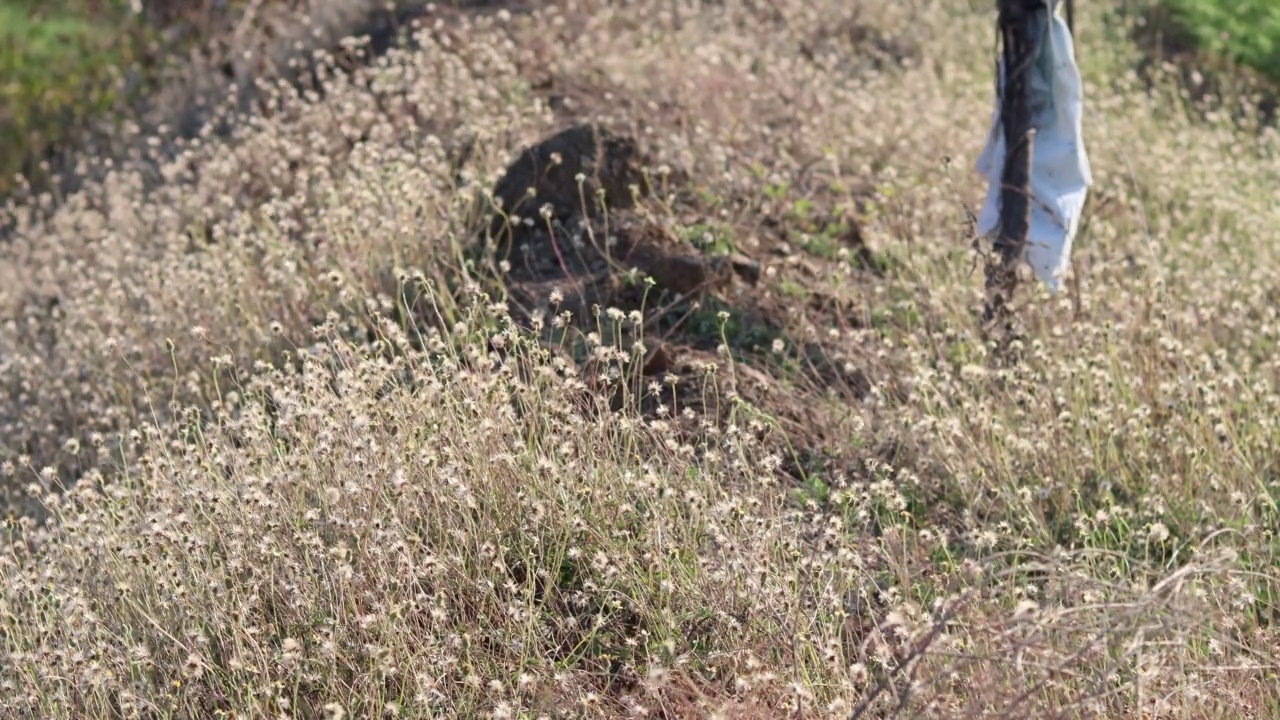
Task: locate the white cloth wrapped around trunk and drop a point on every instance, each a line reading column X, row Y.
column 1060, row 173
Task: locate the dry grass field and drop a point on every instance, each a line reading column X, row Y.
column 330, row 418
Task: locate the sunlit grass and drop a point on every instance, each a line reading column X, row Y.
column 268, row 489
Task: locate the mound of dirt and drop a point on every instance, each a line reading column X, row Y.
column 585, row 224
column 548, row 173
column 572, row 221
column 577, row 231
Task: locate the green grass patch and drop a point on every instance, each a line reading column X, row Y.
column 1246, row 32
column 59, row 66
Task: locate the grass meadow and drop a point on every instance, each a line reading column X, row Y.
column 325, row 417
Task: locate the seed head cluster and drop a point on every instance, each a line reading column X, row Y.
column 275, row 449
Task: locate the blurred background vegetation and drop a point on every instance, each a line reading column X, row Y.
column 69, row 66
column 64, row 64
column 1246, row 32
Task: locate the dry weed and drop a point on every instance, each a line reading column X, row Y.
column 264, row 492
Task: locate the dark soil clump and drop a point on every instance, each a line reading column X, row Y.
column 583, row 225
column 573, row 218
